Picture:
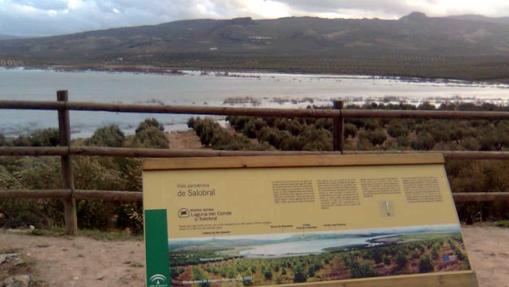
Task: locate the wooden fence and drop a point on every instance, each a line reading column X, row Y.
column 68, row 194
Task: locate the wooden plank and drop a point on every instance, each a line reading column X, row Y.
column 291, row 161
column 476, row 155
column 339, row 129
column 160, row 153
column 107, row 195
column 269, row 112
column 35, row 193
column 444, row 279
column 64, row 128
column 481, row 197
column 204, row 110
column 412, row 114
column 33, row 151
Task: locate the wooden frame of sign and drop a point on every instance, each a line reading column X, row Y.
column 403, row 201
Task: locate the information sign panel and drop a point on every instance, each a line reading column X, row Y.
column 361, row 220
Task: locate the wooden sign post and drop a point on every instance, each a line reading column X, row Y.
column 350, row 220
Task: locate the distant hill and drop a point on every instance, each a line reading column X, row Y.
column 414, row 45
column 480, row 18
column 6, row 37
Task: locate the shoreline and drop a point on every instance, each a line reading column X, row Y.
column 178, row 123
column 243, row 73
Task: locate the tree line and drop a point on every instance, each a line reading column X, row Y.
column 101, row 173
column 315, row 134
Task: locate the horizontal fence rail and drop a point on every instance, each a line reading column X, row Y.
column 65, row 151
column 261, row 112
column 108, row 195
column 167, row 109
column 155, row 153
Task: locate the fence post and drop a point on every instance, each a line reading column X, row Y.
column 339, row 128
column 64, row 128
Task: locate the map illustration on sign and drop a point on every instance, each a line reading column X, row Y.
column 300, row 224
column 292, row 258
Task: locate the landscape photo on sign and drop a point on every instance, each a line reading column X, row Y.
column 269, row 259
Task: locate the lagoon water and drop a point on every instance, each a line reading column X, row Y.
column 302, row 247
column 195, row 89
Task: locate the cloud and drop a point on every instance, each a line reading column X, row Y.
column 398, row 8
column 44, row 4
column 50, row 17
column 381, row 7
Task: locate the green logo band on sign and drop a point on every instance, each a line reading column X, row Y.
column 156, row 241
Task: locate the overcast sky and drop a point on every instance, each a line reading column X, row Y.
column 50, row 17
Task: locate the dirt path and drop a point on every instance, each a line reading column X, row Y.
column 88, row 262
column 184, row 140
column 80, row 261
column 488, row 249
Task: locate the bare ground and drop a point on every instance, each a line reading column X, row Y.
column 80, row 261
column 184, row 140
column 83, row 261
column 488, row 250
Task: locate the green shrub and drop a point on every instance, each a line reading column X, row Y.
column 44, row 137
column 150, row 134
column 425, row 265
column 502, row 223
column 299, row 275
column 424, row 141
column 213, row 135
column 350, row 130
column 150, row 123
column 396, row 129
column 4, row 141
column 89, row 173
column 109, row 136
column 377, row 137
column 359, row 270
column 401, row 260
column 316, row 139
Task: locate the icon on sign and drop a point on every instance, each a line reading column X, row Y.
column 386, row 208
column 158, row 280
column 184, row 212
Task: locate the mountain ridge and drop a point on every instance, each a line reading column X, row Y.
column 413, row 45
